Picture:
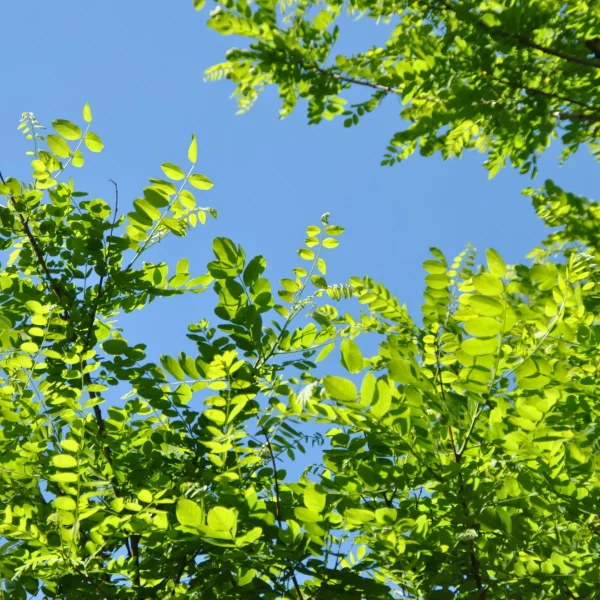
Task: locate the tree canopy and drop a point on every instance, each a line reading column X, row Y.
column 459, row 459
column 500, row 77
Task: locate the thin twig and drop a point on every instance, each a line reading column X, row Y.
column 539, row 92
column 278, row 506
column 353, row 80
column 101, row 282
column 96, row 586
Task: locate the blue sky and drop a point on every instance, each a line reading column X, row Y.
column 140, row 64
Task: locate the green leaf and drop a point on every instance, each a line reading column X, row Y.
column 172, row 367
column 325, row 351
column 435, row 267
column 290, row 285
column 367, row 390
column 58, row 146
column 115, row 347
column 319, row 281
column 576, row 454
column 438, row 282
column 254, row 269
column 87, row 113
column 339, row 388
column 321, row 266
column 403, row 371
column 495, row 263
column 198, row 5
column 488, row 284
column 64, row 477
column 490, row 20
column 64, row 461
column 172, row 171
column 249, row 575
column 485, row 306
column 174, row 226
column 306, row 515
column 306, row 254
column 383, row 399
column 483, row 327
column 70, row 445
column 189, row 513
column 330, row 243
column 530, row 412
column 68, row 130
column 29, row 347
column 182, row 394
column 92, row 142
column 221, row 518
column 182, row 267
column 352, row 359
column 200, row 182
column 533, row 383
column 215, row 415
column 504, row 518
column 249, row 538
column 480, row 346
column 359, row 515
column 145, row 496
column 65, row 503
column 193, row 149
column 386, row 516
column 156, row 197
column 314, row 500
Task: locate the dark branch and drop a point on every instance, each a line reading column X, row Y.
column 496, row 32
column 594, row 117
column 278, row 506
column 50, row 283
column 135, row 550
column 475, row 567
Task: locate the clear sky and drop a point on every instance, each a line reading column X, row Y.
column 140, row 64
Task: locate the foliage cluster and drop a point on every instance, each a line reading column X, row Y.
column 460, row 460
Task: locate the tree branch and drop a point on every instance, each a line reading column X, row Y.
column 540, row 92
column 588, row 62
column 562, row 115
column 135, row 551
column 102, row 277
column 53, row 286
column 278, row 506
column 50, row 283
column 523, row 40
column 363, row 82
column 475, row 567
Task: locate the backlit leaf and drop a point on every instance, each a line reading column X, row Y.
column 495, row 263
column 351, row 356
column 340, row 388
column 172, row 171
column 200, row 182
column 193, row 150
column 189, row 513
column 58, row 146
column 93, row 142
column 68, row 130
